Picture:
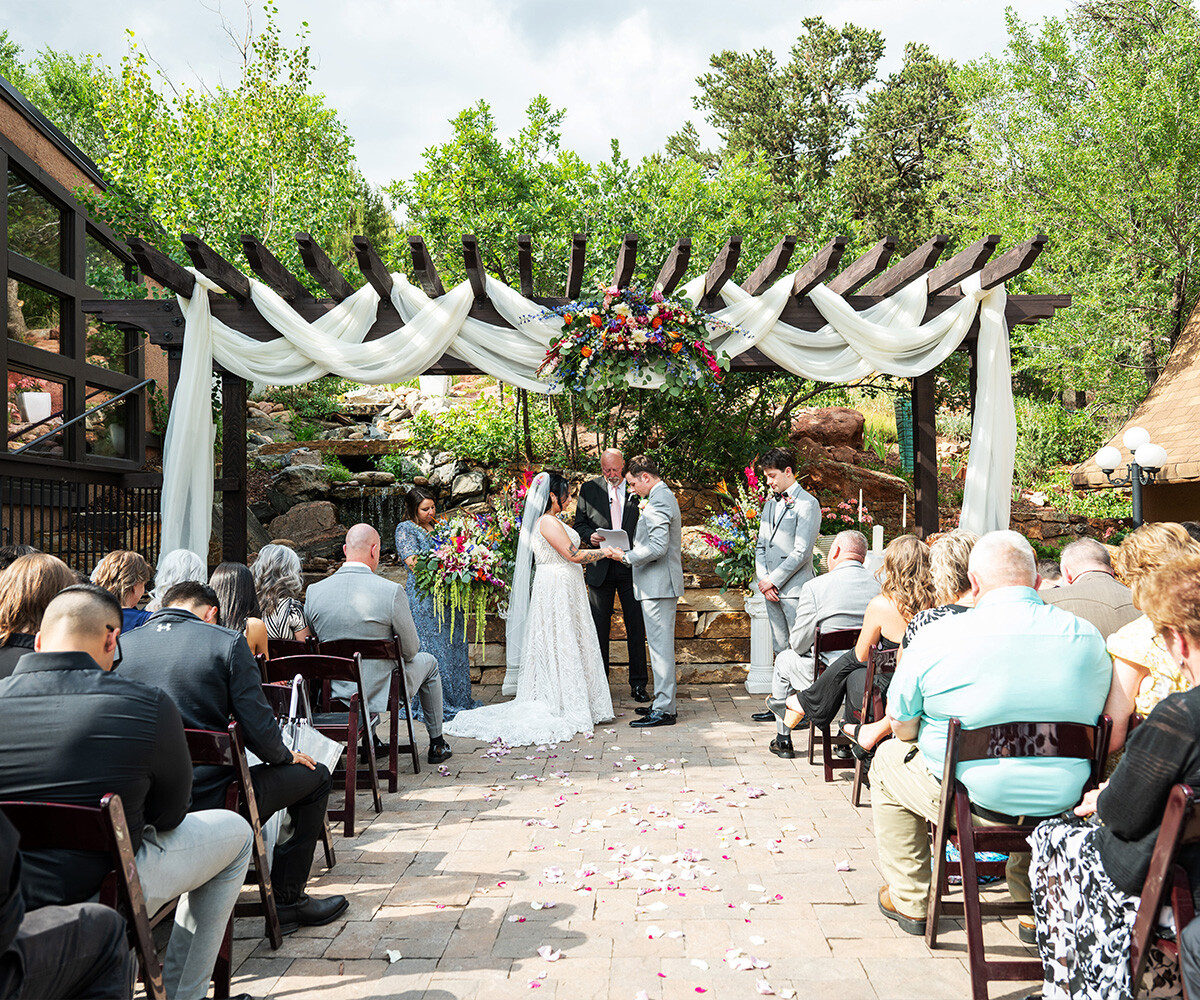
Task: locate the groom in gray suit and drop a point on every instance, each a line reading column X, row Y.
column 657, row 561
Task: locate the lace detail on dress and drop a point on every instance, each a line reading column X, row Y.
column 562, row 689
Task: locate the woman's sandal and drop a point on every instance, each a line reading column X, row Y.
column 850, row 731
column 793, row 714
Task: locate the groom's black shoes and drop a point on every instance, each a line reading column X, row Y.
column 439, row 750
column 781, row 746
column 763, row 717
column 638, row 693
column 652, row 718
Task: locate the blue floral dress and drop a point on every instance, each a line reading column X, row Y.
column 448, row 644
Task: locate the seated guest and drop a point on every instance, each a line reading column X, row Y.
column 175, row 567
column 837, row 599
column 1143, row 671
column 234, row 586
column 26, row 587
column 949, row 557
column 1088, row 870
column 1010, row 659
column 905, row 589
column 9, row 554
column 57, row 951
column 1049, row 575
column 74, row 731
column 1192, row 528
column 210, row 675
column 125, row 574
column 354, row 603
column 1090, row 589
column 278, row 584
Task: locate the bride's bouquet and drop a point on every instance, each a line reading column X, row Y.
column 734, row 532
column 463, row 572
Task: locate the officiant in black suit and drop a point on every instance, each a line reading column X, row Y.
column 606, row 502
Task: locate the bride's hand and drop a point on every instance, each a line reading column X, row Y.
column 612, row 552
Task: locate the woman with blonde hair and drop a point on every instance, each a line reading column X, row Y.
column 26, row 587
column 1143, row 671
column 278, row 583
column 905, row 589
column 124, row 574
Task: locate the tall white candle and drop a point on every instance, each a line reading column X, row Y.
column 877, row 538
column 860, row 506
column 904, row 516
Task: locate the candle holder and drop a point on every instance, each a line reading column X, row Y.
column 1146, row 461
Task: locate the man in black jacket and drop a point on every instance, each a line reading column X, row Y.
column 211, row 676
column 606, row 502
column 57, row 951
column 72, row 731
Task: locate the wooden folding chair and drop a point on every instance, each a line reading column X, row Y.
column 210, row 748
column 399, row 698
column 291, row 647
column 880, row 663
column 836, row 640
column 54, row 826
column 1009, row 740
column 1165, row 881
column 347, row 727
column 279, row 697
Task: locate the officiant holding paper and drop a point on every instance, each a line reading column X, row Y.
column 606, row 504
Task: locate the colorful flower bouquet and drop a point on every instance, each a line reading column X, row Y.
column 504, row 522
column 734, row 532
column 463, row 572
column 624, row 336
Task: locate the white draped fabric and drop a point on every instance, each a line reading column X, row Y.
column 889, row 337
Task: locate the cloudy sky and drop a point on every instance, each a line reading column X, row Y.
column 397, row 70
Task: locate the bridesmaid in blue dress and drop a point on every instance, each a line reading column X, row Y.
column 448, row 644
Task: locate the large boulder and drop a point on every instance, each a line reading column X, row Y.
column 297, row 484
column 313, row 529
column 375, row 478
column 267, row 428
column 468, row 487
column 829, row 426
column 444, row 475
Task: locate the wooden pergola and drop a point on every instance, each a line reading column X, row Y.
column 863, row 282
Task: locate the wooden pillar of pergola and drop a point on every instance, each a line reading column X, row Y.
column 864, row 282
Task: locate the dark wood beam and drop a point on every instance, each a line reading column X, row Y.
column 423, row 268
column 157, row 265
column 772, row 266
column 212, row 265
column 924, row 414
column 675, row 266
column 267, row 266
column 865, row 268
column 473, row 262
column 575, row 266
column 373, row 268
column 626, row 261
column 917, row 263
column 823, row 263
column 318, row 264
column 1009, row 265
column 721, row 269
column 525, row 264
column 234, row 501
column 964, row 262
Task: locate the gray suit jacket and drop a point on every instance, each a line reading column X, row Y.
column 657, row 553
column 783, row 553
column 838, row 599
column 354, row 603
column 1098, row 598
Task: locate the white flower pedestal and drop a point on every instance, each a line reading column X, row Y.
column 34, row 406
column 762, row 656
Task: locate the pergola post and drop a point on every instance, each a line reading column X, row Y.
column 234, row 501
column 924, row 417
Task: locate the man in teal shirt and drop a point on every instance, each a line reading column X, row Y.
column 1010, row 659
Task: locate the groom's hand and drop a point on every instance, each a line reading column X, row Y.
column 768, row 590
column 614, row 553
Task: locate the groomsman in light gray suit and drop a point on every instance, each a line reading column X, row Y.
column 783, row 554
column 355, row 603
column 657, row 561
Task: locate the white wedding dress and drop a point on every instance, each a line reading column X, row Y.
column 562, row 689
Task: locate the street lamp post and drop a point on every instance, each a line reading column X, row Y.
column 1146, row 460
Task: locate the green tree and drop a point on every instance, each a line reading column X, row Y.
column 1089, row 130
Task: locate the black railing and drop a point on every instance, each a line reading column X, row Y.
column 80, row 521
column 74, row 420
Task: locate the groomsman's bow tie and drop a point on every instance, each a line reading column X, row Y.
column 778, row 497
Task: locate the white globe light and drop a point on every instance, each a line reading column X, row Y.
column 1135, row 437
column 1151, row 457
column 1108, row 458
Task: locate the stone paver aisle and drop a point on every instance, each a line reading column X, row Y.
column 651, row 864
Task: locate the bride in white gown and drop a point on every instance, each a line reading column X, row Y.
column 561, row 686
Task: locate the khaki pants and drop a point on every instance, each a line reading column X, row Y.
column 904, row 798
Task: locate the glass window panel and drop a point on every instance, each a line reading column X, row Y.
column 33, row 317
column 108, row 346
column 104, row 431
column 35, row 406
column 35, row 223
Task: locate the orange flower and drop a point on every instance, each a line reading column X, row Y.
column 674, row 334
column 656, row 322
column 596, row 320
column 676, row 348
column 568, row 318
column 585, row 351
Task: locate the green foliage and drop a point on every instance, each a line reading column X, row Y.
column 304, row 431
column 1061, row 495
column 1049, row 435
column 404, row 469
column 486, row 431
column 316, row 400
column 338, row 472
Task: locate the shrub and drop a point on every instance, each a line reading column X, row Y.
column 1050, row 435
column 338, row 472
column 316, row 400
column 487, row 431
column 404, row 469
